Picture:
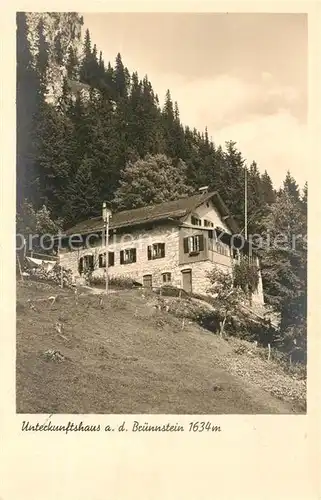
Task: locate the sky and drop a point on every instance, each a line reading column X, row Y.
column 244, row 76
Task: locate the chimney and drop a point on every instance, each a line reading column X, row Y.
column 203, row 190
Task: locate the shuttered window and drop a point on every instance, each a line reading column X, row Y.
column 81, row 265
column 88, row 263
column 194, row 244
column 128, row 256
column 156, row 251
column 111, row 259
column 102, row 259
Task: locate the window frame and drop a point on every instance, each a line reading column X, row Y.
column 189, row 244
column 102, row 260
column 86, row 265
column 208, row 223
column 153, row 256
column 166, row 281
column 197, row 219
column 122, row 254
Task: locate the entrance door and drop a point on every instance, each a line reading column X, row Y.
column 187, row 280
column 147, row 281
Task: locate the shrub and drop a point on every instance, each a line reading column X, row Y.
column 97, row 281
column 171, row 291
column 122, row 282
column 227, row 298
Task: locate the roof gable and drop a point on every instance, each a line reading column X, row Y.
column 208, row 214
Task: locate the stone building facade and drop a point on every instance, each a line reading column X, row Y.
column 173, row 243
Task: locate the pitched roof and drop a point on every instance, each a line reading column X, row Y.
column 177, row 209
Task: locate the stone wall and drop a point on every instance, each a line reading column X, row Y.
column 200, row 282
column 136, row 239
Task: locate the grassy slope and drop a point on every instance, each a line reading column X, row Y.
column 126, row 357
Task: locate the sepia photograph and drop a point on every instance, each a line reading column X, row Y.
column 161, row 213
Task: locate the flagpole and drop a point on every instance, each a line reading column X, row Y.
column 245, row 202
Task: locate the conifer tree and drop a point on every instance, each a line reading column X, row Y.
column 267, row 187
column 27, row 94
column 42, row 61
column 101, row 72
column 304, row 206
column 31, row 222
column 121, row 78
column 233, row 181
column 208, row 162
column 65, row 103
column 305, row 193
column 176, row 112
column 154, row 142
column 106, row 146
column 72, row 65
column 172, row 129
column 55, row 157
column 58, row 52
column 291, row 187
column 81, row 195
column 89, row 64
column 109, row 82
column 284, row 266
column 136, row 116
column 255, row 198
column 168, row 124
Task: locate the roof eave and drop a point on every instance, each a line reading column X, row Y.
column 169, row 217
